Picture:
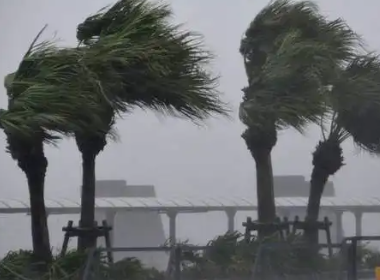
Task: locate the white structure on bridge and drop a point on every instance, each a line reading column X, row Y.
column 133, row 211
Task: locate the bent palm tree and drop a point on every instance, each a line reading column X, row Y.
column 290, row 53
column 51, row 91
column 171, row 79
column 358, row 84
column 27, row 128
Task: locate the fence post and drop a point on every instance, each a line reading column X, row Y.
column 351, row 260
column 354, row 257
column 177, row 262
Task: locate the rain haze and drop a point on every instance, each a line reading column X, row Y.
column 176, row 156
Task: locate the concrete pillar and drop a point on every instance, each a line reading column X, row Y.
column 231, row 219
column 358, row 223
column 172, row 227
column 339, row 226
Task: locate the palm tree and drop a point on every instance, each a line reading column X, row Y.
column 51, row 92
column 171, row 80
column 358, row 84
column 290, row 53
column 28, row 125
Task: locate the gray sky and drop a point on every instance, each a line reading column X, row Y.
column 174, row 155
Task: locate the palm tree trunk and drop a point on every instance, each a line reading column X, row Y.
column 35, row 170
column 317, row 183
column 87, row 216
column 327, row 160
column 31, row 159
column 90, row 145
column 266, row 207
column 260, row 143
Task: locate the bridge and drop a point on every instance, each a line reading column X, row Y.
column 177, row 205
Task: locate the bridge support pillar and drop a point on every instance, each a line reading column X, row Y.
column 358, row 222
column 231, row 219
column 339, row 226
column 172, row 227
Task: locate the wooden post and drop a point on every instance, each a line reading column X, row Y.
column 319, row 226
column 107, row 239
column 247, row 232
column 96, row 232
column 287, row 230
column 66, row 238
column 277, row 226
column 295, row 224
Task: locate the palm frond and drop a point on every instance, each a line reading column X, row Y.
column 333, row 130
column 167, row 74
column 49, row 88
column 359, row 80
column 280, row 16
column 130, row 56
column 291, row 54
column 355, row 97
column 289, row 86
column 134, row 18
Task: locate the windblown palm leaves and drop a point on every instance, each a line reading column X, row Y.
column 122, row 49
column 355, row 90
column 53, row 91
column 291, row 53
column 171, row 76
column 128, row 56
column 358, row 114
column 167, row 74
column 289, row 87
column 291, row 56
column 357, row 83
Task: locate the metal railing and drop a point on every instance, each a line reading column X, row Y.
column 175, row 257
column 346, row 269
column 351, row 246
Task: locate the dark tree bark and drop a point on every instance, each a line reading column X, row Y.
column 90, row 146
column 260, row 143
column 327, row 160
column 265, row 189
column 31, row 159
column 317, row 184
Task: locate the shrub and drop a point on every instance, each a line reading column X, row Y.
column 230, row 255
column 368, row 257
column 227, row 256
column 17, row 264
column 21, row 265
column 67, row 266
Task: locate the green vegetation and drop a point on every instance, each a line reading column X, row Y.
column 128, row 56
column 226, row 257
column 301, row 69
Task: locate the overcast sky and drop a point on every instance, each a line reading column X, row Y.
column 174, row 155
